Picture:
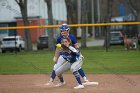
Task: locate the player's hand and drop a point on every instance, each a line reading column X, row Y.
column 82, row 56
column 55, row 59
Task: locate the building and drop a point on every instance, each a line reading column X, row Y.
column 37, row 15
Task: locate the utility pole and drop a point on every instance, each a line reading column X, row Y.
column 79, row 18
column 93, row 16
column 79, row 11
column 109, row 14
column 99, row 16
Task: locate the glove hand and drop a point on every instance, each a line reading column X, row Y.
column 64, row 47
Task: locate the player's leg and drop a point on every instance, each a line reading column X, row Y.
column 81, row 71
column 74, row 68
column 86, row 82
column 60, row 61
column 53, row 75
column 66, row 66
column 61, row 78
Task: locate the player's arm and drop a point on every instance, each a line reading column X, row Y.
column 73, row 51
column 74, row 42
column 56, row 55
column 55, row 58
column 76, row 45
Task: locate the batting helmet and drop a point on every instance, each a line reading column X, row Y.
column 64, row 27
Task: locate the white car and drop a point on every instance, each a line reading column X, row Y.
column 116, row 38
column 12, row 43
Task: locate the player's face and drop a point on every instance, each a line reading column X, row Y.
column 65, row 33
column 66, row 42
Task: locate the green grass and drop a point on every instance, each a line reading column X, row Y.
column 97, row 60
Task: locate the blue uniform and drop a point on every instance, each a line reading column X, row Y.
column 71, row 57
column 72, row 38
column 74, row 62
column 66, row 55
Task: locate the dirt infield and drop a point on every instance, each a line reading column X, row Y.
column 35, row 84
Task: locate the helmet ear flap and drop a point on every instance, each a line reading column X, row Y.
column 68, row 29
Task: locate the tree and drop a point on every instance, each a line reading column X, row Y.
column 23, row 8
column 72, row 18
column 131, row 7
column 109, row 15
column 71, row 14
column 50, row 22
column 135, row 8
column 84, row 20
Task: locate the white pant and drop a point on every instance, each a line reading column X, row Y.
column 60, row 62
column 76, row 65
column 67, row 65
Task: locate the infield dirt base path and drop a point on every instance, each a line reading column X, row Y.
column 108, row 83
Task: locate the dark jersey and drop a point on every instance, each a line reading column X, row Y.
column 71, row 55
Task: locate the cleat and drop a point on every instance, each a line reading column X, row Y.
column 90, row 83
column 79, row 87
column 60, row 84
column 86, row 80
column 49, row 83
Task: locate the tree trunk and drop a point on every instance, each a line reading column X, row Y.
column 109, row 15
column 71, row 15
column 138, row 19
column 84, row 20
column 23, row 8
column 50, row 22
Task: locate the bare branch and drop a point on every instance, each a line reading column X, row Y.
column 17, row 2
column 131, row 6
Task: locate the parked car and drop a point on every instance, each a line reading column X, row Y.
column 116, row 38
column 12, row 43
column 42, row 42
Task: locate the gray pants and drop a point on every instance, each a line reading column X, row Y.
column 69, row 66
column 59, row 63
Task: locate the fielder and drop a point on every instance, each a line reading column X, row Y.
column 73, row 61
column 64, row 33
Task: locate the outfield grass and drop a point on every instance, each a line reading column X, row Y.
column 97, row 60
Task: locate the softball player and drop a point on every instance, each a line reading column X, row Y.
column 74, row 61
column 64, row 33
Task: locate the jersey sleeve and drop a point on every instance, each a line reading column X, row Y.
column 58, row 41
column 73, row 39
column 72, row 49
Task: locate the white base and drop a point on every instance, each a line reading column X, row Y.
column 90, row 83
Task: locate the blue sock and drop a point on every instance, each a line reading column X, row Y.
column 81, row 72
column 53, row 75
column 61, row 78
column 77, row 76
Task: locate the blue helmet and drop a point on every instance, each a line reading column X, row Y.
column 64, row 27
